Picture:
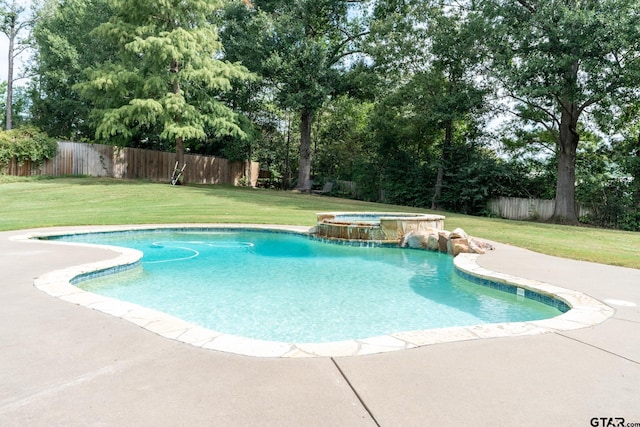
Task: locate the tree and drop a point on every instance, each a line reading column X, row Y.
column 341, row 136
column 429, row 54
column 19, row 107
column 560, row 61
column 13, row 23
column 166, row 75
column 299, row 47
column 456, row 57
column 63, row 51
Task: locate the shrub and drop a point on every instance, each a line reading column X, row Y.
column 26, row 143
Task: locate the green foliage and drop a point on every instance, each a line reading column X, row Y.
column 63, row 50
column 535, row 47
column 395, row 90
column 475, row 177
column 610, row 205
column 26, row 143
column 20, row 105
column 562, row 62
column 404, row 179
column 165, row 79
column 397, row 39
column 234, row 148
column 299, row 49
column 341, row 138
column 367, row 176
column 607, row 184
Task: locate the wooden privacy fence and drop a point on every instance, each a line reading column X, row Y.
column 75, row 158
column 523, row 209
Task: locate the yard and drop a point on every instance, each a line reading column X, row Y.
column 44, row 202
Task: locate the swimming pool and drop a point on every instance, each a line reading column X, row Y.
column 288, row 287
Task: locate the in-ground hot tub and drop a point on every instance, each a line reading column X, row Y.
column 377, row 226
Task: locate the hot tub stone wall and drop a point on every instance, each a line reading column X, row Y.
column 396, row 228
column 349, row 231
column 391, row 227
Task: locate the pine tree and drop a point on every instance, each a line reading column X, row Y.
column 166, row 77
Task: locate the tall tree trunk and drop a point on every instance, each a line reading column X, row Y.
column 12, row 38
column 565, row 208
column 287, row 165
column 635, row 173
column 180, row 151
column 437, row 192
column 304, row 165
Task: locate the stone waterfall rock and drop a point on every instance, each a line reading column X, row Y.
column 443, row 239
column 457, row 246
column 453, row 243
column 417, row 240
column 423, row 239
column 433, row 242
column 458, row 233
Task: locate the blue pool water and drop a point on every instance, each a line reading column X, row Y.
column 364, row 218
column 286, row 287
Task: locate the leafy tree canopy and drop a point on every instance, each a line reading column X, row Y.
column 64, row 50
column 166, row 75
column 300, row 48
column 561, row 59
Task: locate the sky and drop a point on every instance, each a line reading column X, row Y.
column 4, row 47
column 4, row 62
column 4, row 50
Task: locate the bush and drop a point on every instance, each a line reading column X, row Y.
column 473, row 177
column 26, row 143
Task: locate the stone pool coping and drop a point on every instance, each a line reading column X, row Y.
column 585, row 311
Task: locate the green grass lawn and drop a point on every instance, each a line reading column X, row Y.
column 42, row 202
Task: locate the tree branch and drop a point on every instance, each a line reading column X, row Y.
column 588, row 103
column 335, row 57
column 527, row 6
column 18, row 51
column 551, row 116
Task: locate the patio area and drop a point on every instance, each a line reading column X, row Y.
column 64, row 364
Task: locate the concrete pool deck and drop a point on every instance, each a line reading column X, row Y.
column 63, row 364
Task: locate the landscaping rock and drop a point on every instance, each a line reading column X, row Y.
column 475, row 248
column 432, row 242
column 417, row 240
column 443, row 239
column 458, row 233
column 457, row 246
column 483, row 245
